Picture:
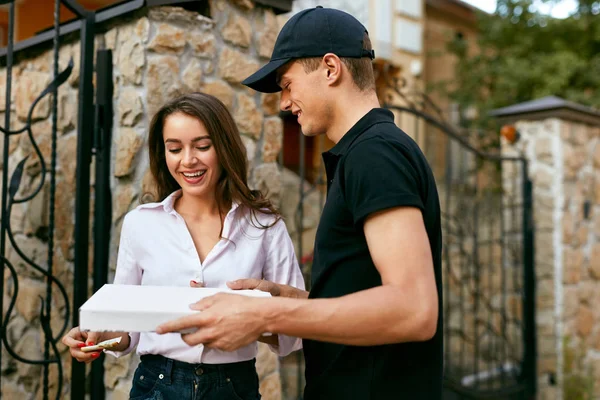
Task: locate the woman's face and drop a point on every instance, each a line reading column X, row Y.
column 190, row 155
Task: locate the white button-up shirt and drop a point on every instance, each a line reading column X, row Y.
column 156, row 249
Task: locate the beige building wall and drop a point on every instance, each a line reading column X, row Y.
column 445, row 21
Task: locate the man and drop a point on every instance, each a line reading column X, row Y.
column 372, row 323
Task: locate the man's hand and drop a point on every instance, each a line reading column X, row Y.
column 275, row 289
column 227, row 322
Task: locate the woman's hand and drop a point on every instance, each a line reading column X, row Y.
column 275, row 289
column 75, row 339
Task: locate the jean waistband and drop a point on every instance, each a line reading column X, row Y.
column 199, row 369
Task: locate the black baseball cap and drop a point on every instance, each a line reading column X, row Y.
column 313, row 32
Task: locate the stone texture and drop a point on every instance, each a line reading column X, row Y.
column 585, row 321
column 29, row 86
column 148, row 185
column 244, row 4
column 542, row 178
column 568, row 228
column 545, row 293
column 67, row 113
column 67, row 149
column 597, row 156
column 3, row 90
column 192, row 75
column 572, row 261
column 543, row 149
column 29, row 346
column 268, row 35
column 574, row 158
column 270, row 387
column 125, row 196
column 595, row 261
column 38, row 211
column 12, row 390
column 221, row 90
column 247, row 116
column 110, row 39
column 162, row 81
column 168, row 39
column 28, row 298
column 128, row 145
column 130, row 107
column 250, row 146
column 76, row 54
column 237, row 30
column 267, row 179
column 180, row 16
column 203, row 44
column 132, row 59
column 41, row 132
column 115, row 369
column 272, row 139
column 142, row 29
column 235, row 66
column 570, row 301
column 65, row 201
column 270, row 103
column 266, row 361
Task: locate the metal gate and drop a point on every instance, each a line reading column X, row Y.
column 488, row 254
column 94, row 122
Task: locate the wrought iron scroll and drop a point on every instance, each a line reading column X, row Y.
column 10, row 189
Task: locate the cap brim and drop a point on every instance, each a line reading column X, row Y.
column 265, row 79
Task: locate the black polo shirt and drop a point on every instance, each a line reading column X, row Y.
column 375, row 166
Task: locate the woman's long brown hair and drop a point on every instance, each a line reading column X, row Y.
column 231, row 153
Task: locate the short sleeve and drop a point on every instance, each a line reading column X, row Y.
column 379, row 175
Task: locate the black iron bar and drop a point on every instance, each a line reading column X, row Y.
column 529, row 328
column 446, row 221
column 476, row 270
column 300, row 229
column 85, row 133
column 102, row 193
column 9, row 65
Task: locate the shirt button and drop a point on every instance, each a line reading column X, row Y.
column 199, row 371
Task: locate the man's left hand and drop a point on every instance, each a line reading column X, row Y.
column 226, row 322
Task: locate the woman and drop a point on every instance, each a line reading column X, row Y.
column 208, row 229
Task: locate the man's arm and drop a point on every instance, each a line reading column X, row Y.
column 403, row 309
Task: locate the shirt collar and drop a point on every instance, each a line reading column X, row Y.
column 168, row 204
column 375, row 116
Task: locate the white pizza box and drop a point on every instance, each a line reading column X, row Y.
column 135, row 308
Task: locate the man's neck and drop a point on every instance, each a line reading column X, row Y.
column 348, row 111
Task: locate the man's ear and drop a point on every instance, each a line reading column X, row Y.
column 332, row 67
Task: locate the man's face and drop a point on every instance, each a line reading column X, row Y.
column 304, row 94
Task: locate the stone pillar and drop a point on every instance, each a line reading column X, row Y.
column 561, row 141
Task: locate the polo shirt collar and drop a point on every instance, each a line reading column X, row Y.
column 376, row 115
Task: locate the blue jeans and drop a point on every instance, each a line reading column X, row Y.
column 161, row 378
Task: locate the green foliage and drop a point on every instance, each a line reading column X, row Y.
column 578, row 378
column 524, row 55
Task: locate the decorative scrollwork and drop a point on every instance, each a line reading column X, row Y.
column 13, row 189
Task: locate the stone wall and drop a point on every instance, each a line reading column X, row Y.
column 564, row 162
column 157, row 54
